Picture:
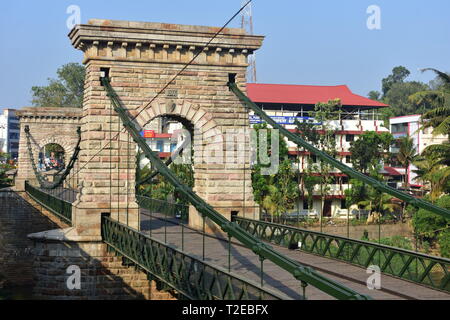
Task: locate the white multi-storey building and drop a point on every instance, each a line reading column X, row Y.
column 285, row 103
column 410, row 126
column 9, row 133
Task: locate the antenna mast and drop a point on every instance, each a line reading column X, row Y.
column 247, row 24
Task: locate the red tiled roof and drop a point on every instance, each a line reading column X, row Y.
column 301, row 94
column 392, row 172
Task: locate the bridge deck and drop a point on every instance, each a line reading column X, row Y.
column 245, row 263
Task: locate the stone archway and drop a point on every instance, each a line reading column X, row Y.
column 67, row 145
column 140, row 59
column 47, row 125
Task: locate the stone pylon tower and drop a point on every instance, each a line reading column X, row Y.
column 141, row 58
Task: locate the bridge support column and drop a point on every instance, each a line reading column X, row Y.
column 140, row 59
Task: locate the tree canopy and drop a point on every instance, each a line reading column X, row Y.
column 65, row 91
column 397, row 93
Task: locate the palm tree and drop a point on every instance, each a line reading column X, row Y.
column 384, row 204
column 273, row 202
column 406, row 155
column 439, row 117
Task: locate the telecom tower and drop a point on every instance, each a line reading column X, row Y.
column 247, row 24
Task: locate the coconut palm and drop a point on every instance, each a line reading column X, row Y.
column 439, row 117
column 406, row 155
column 383, row 205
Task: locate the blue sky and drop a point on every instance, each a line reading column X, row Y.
column 324, row 42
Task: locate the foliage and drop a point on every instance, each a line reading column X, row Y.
column 427, row 225
column 374, row 95
column 396, row 92
column 65, row 91
column 398, row 98
column 407, row 154
column 396, row 241
column 4, row 180
column 368, row 149
column 439, row 99
column 431, row 170
column 444, row 243
column 398, row 75
column 275, row 193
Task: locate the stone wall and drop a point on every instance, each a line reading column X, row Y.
column 140, row 59
column 42, row 265
column 103, row 276
column 356, row 232
column 18, row 218
column 47, row 125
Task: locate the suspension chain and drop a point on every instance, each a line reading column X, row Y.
column 43, row 182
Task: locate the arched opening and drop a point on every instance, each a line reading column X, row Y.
column 51, row 157
column 171, row 136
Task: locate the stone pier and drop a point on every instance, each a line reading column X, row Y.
column 141, row 58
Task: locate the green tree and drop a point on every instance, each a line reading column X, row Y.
column 439, row 100
column 369, row 148
column 444, row 243
column 276, row 193
column 65, row 91
column 406, row 155
column 396, row 92
column 428, row 225
column 398, row 75
column 398, row 98
column 374, row 95
column 431, row 171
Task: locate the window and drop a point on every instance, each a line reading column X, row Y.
column 400, row 127
column 305, row 205
column 343, row 204
column 160, row 145
column 314, row 158
column 14, row 126
column 348, row 159
column 350, row 137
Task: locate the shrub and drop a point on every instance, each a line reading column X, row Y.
column 444, row 243
column 426, row 224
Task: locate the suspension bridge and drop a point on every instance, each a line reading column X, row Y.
column 215, row 247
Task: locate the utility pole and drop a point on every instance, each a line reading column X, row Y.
column 247, row 24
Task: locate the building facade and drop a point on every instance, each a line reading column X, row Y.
column 286, row 103
column 410, row 125
column 9, row 133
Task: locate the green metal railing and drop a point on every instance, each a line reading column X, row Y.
column 168, row 209
column 62, row 209
column 295, row 138
column 405, row 264
column 187, row 275
column 300, row 272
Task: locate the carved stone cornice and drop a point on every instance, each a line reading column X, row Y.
column 159, row 42
column 49, row 113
